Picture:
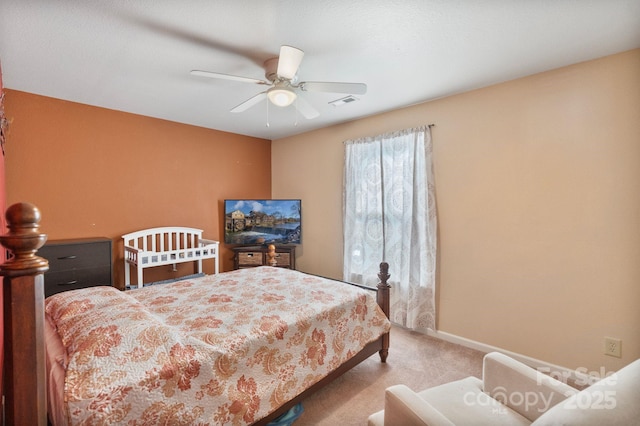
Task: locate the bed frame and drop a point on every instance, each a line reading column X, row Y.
column 24, row 358
column 165, row 246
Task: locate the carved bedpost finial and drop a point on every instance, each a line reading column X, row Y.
column 271, row 255
column 383, row 275
column 23, row 240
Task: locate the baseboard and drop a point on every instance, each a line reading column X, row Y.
column 559, row 372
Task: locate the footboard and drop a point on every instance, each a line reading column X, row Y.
column 380, row 345
column 166, row 246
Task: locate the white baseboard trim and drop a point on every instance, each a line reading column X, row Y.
column 561, row 373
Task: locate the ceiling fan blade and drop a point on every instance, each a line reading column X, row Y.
column 289, row 61
column 325, row 86
column 305, row 108
column 210, row 74
column 250, row 102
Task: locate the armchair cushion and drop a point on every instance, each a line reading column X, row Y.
column 464, row 403
column 456, row 403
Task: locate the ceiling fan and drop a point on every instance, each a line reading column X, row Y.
column 281, row 76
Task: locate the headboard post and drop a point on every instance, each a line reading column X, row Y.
column 23, row 291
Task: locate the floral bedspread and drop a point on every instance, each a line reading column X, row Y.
column 220, row 349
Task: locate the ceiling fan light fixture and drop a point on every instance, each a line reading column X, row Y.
column 281, row 97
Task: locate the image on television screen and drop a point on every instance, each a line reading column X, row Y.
column 255, row 222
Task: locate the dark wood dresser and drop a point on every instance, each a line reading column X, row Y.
column 250, row 257
column 77, row 263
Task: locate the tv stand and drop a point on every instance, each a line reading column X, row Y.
column 250, row 257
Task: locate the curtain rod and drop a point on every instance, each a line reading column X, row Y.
column 393, row 132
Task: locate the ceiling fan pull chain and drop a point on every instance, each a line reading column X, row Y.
column 268, row 114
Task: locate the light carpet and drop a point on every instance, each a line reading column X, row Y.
column 416, row 360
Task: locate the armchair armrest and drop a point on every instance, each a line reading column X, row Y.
column 523, row 389
column 402, row 406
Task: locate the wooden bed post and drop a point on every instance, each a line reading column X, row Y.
column 383, row 300
column 23, row 291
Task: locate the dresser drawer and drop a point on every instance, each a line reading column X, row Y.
column 77, row 263
column 250, row 258
column 56, row 282
column 282, row 259
column 66, row 256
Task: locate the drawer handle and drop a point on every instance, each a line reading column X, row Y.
column 69, row 282
column 73, row 256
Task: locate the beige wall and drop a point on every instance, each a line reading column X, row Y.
column 538, row 192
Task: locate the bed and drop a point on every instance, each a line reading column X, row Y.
column 240, row 381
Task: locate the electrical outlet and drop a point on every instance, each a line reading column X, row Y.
column 612, row 347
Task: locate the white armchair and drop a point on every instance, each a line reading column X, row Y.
column 512, row 393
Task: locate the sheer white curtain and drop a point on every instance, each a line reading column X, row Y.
column 390, row 215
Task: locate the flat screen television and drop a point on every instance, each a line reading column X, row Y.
column 256, row 222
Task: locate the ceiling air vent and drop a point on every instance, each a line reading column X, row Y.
column 343, row 101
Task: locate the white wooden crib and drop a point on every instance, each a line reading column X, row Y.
column 166, row 246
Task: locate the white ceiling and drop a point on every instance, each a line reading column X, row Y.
column 135, row 56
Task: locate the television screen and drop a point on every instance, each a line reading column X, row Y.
column 253, row 222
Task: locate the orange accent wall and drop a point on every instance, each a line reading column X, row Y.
column 98, row 172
